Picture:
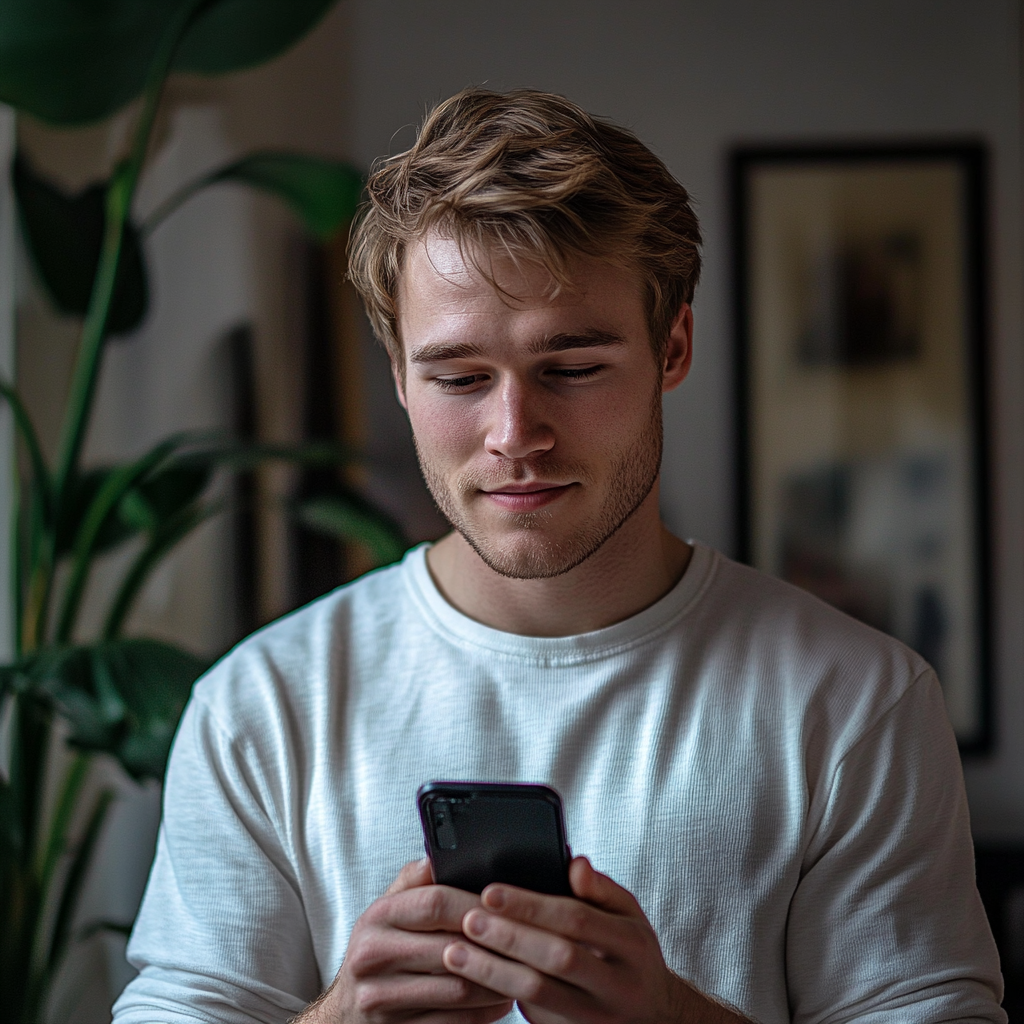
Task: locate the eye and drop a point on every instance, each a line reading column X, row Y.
column 456, row 383
column 577, row 372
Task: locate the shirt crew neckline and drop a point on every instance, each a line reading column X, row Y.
column 646, row 625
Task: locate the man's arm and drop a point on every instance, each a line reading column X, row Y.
column 222, row 932
column 886, row 922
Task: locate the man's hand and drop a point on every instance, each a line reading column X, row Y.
column 590, row 960
column 393, row 970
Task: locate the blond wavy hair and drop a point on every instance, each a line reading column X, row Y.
column 535, row 176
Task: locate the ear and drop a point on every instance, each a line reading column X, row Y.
column 396, row 373
column 679, row 350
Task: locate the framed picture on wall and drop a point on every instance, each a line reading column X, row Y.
column 860, row 285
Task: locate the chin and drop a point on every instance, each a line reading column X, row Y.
column 534, row 557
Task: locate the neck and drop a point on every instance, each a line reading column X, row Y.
column 636, row 566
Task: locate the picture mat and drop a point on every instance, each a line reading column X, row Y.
column 871, row 446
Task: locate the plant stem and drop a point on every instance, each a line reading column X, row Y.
column 120, row 193
column 61, row 935
column 177, row 199
column 113, row 490
column 29, row 532
column 159, row 544
column 43, row 876
column 57, row 840
column 16, row 539
column 26, row 430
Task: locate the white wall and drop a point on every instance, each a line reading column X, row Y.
column 694, row 78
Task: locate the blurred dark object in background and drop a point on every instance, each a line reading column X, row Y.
column 318, row 561
column 239, row 343
column 1000, row 873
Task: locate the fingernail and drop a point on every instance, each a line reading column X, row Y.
column 476, row 924
column 494, row 898
column 457, row 956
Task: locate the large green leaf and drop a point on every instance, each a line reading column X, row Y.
column 120, row 696
column 10, row 680
column 324, row 193
column 238, row 456
column 154, row 680
column 114, row 490
column 74, row 61
column 64, row 234
column 235, row 34
column 144, row 508
column 349, row 517
column 163, row 494
column 114, row 530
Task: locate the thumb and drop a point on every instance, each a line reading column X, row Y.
column 415, row 873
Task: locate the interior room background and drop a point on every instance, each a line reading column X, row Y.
column 693, row 79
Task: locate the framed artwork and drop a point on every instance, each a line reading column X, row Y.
column 860, row 284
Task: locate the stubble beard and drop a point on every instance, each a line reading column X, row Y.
column 634, row 471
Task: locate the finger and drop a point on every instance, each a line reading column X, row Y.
column 551, row 954
column 415, row 873
column 386, row 951
column 412, row 992
column 564, row 915
column 426, row 908
column 600, row 890
column 515, row 980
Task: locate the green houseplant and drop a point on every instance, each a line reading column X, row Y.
column 69, row 62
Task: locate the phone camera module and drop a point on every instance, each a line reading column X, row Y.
column 444, row 827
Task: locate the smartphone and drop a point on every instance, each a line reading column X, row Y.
column 476, row 833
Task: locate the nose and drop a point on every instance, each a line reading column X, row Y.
column 518, row 427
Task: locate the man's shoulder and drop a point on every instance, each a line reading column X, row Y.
column 781, row 613
column 292, row 663
column 782, row 640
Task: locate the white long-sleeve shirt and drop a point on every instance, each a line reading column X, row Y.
column 775, row 782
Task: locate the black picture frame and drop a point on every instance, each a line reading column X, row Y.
column 861, row 316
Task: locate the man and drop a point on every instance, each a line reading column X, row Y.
column 768, row 792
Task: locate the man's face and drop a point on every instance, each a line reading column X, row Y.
column 537, row 420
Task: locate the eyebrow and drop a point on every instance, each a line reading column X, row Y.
column 443, row 351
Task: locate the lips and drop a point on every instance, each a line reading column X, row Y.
column 526, row 497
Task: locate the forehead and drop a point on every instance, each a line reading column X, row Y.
column 444, row 285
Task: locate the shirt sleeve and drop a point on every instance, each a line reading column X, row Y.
column 222, row 935
column 886, row 923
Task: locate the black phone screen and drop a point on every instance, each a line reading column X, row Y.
column 476, row 833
